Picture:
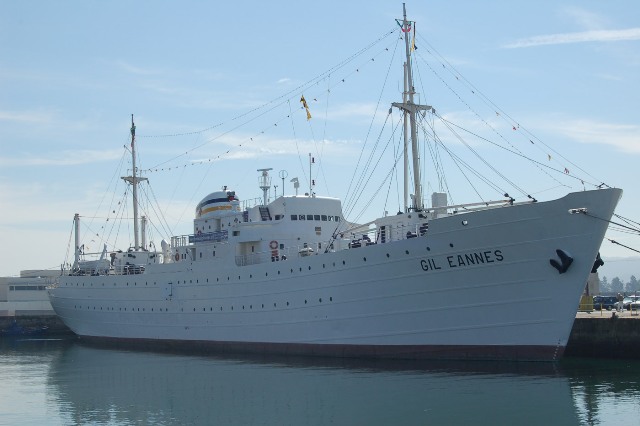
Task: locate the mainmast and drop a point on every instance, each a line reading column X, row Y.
column 410, row 108
column 134, row 180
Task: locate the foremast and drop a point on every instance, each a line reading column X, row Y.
column 134, row 180
column 410, row 108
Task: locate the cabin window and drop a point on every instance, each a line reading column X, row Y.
column 316, row 217
column 330, row 218
column 324, row 217
column 252, row 249
column 309, row 217
column 236, row 233
column 301, row 217
column 294, row 217
column 337, row 218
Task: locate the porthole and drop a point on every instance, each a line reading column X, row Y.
column 344, row 263
column 320, row 300
column 287, row 303
column 450, row 244
column 331, row 299
column 387, row 254
column 428, row 248
column 309, row 267
column 364, row 259
column 406, row 251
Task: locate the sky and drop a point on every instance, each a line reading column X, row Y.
column 215, row 87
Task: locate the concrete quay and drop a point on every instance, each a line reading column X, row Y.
column 605, row 334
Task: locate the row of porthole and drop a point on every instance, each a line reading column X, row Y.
column 120, row 309
column 266, row 273
column 275, row 305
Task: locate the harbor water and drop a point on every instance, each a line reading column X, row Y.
column 67, row 382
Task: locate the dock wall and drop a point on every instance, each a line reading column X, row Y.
column 605, row 337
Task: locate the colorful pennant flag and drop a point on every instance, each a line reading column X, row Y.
column 306, row 107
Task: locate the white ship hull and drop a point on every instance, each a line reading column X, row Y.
column 478, row 285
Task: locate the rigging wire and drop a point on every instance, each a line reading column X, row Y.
column 499, row 111
column 295, row 139
column 277, row 102
column 389, row 173
column 519, row 154
column 514, row 125
column 349, row 198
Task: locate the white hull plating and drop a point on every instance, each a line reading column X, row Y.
column 477, row 284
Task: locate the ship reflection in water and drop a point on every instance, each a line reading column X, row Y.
column 84, row 384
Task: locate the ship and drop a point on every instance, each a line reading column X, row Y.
column 292, row 275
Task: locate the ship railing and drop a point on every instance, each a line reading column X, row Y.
column 187, row 240
column 247, row 204
column 276, row 255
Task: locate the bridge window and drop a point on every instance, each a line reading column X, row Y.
column 294, row 217
column 324, row 217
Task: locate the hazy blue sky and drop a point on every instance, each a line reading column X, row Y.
column 564, row 74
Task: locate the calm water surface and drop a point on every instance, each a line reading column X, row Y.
column 64, row 382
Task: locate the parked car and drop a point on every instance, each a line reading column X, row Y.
column 604, row 302
column 626, row 302
column 634, row 306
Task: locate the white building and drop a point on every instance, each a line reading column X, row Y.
column 26, row 294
